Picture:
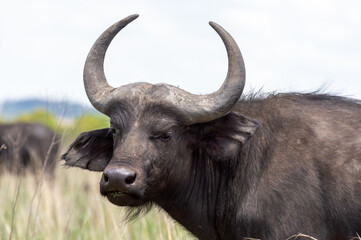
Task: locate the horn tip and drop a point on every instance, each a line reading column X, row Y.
column 134, row 16
column 129, row 19
column 216, row 26
column 213, row 24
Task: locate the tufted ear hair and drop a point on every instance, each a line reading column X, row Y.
column 91, row 150
column 223, row 138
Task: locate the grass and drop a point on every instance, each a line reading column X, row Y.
column 70, row 207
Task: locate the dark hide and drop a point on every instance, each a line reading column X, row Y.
column 272, row 168
column 28, row 148
column 91, row 150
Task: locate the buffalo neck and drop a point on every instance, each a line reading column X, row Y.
column 194, row 196
column 204, row 190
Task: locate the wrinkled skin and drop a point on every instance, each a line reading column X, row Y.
column 28, row 148
column 273, row 167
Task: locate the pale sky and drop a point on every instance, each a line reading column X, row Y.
column 287, row 45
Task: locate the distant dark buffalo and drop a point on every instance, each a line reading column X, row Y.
column 264, row 167
column 27, row 147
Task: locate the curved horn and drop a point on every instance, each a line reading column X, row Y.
column 198, row 108
column 96, row 86
column 203, row 108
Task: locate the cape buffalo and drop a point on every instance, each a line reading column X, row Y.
column 28, row 147
column 225, row 167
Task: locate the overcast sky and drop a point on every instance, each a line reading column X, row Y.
column 299, row 45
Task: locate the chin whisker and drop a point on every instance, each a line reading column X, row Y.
column 134, row 212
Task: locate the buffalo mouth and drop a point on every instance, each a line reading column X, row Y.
column 124, row 199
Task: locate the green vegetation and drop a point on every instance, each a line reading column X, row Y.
column 89, row 122
column 83, row 123
column 69, row 129
column 39, row 116
column 70, row 206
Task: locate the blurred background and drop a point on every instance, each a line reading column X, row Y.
column 287, row 46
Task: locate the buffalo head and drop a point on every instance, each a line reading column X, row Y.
column 157, row 130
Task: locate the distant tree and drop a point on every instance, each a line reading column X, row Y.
column 38, row 116
column 90, row 121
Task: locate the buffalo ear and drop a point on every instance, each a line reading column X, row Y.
column 224, row 137
column 91, row 150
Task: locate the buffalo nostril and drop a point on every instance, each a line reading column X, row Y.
column 118, row 179
column 130, row 178
column 105, row 178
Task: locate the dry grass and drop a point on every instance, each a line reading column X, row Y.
column 70, row 207
column 356, row 238
column 300, row 235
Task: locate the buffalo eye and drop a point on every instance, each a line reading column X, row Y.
column 164, row 137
